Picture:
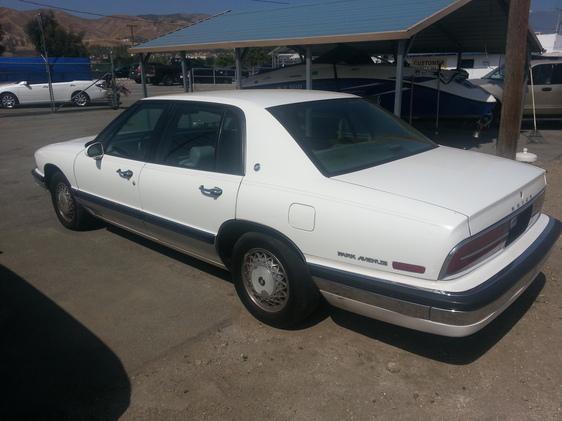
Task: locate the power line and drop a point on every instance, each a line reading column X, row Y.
column 35, row 3
column 271, row 1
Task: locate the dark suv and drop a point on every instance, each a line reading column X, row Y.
column 156, row 73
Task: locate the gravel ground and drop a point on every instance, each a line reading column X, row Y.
column 103, row 325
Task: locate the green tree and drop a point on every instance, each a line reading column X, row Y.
column 224, row 59
column 59, row 42
column 2, row 47
column 256, row 57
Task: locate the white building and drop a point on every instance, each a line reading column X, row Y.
column 552, row 43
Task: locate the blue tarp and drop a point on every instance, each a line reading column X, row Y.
column 33, row 70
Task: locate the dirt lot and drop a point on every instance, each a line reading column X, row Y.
column 102, row 325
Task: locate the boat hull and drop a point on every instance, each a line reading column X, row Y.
column 422, row 96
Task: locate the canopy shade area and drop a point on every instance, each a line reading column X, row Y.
column 371, row 25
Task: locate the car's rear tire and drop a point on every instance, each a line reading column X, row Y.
column 8, row 100
column 272, row 281
column 80, row 99
column 69, row 212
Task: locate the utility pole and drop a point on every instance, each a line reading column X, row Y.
column 513, row 90
column 46, row 59
column 132, row 28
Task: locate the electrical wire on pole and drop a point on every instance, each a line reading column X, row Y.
column 132, row 28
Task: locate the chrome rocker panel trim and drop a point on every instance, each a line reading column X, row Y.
column 38, row 178
column 448, row 314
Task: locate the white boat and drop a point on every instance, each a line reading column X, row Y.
column 424, row 91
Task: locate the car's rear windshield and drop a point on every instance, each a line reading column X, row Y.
column 346, row 135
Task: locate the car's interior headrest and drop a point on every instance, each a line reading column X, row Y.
column 202, row 157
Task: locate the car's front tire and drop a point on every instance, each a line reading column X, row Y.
column 80, row 99
column 272, row 281
column 8, row 100
column 69, row 212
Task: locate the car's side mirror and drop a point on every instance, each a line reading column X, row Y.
column 95, row 151
column 23, row 83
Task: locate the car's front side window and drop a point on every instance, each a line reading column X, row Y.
column 542, row 74
column 557, row 74
column 345, row 135
column 132, row 139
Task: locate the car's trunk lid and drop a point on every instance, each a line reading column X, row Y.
column 483, row 187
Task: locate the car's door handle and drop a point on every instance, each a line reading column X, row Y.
column 125, row 174
column 547, row 89
column 214, row 192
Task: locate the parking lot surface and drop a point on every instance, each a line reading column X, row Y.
column 102, row 324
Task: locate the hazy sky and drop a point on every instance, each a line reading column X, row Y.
column 138, row 7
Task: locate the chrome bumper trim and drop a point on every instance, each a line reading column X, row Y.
column 445, row 321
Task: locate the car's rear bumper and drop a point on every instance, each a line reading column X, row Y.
column 38, row 177
column 439, row 312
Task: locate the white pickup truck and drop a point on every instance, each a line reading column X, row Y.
column 308, row 193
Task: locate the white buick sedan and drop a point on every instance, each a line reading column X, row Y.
column 79, row 92
column 303, row 194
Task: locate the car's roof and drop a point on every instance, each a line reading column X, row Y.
column 550, row 60
column 260, row 97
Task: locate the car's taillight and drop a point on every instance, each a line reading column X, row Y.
column 538, row 204
column 475, row 249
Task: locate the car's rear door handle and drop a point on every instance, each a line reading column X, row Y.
column 547, row 89
column 214, row 192
column 125, row 174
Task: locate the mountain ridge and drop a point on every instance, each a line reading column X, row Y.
column 104, row 31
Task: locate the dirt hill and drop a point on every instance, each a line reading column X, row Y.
column 108, row 31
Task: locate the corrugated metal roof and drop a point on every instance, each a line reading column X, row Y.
column 318, row 22
column 335, row 21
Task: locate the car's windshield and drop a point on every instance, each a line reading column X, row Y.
column 345, row 135
column 496, row 74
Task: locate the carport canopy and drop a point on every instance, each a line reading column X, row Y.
column 374, row 26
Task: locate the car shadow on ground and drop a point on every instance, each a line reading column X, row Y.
column 51, row 366
column 171, row 253
column 24, row 111
column 457, row 351
column 320, row 314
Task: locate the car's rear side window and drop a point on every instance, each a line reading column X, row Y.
column 345, row 135
column 205, row 137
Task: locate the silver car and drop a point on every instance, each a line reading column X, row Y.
column 547, row 88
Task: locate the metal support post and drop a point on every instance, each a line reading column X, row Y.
column 238, row 68
column 184, row 72
column 399, row 76
column 308, row 68
column 143, row 75
column 114, row 99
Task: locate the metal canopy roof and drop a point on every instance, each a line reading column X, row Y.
column 372, row 25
